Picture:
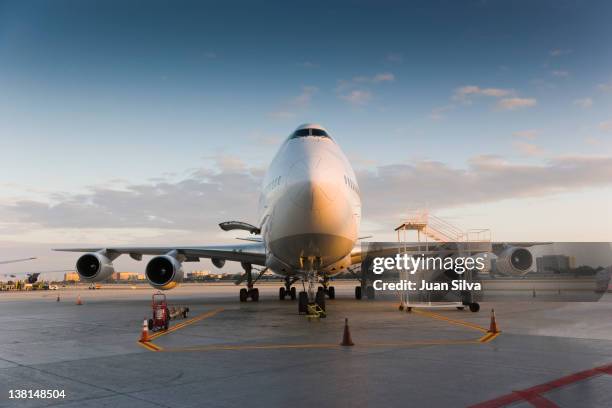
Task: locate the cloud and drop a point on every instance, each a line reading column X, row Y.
column 357, row 97
column 380, row 77
column 584, row 103
column 526, row 134
column 196, row 203
column 486, row 179
column 383, row 77
column 559, row 52
column 465, row 92
column 305, row 97
column 357, row 91
column 606, row 126
column 300, row 102
column 515, row 103
column 607, row 87
column 193, row 206
column 439, row 112
column 527, row 149
column 559, row 73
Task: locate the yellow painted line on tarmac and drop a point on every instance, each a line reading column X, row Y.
column 150, row 346
column 452, row 321
column 220, row 347
column 488, row 337
column 186, row 323
column 318, row 346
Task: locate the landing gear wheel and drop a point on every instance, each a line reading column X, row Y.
column 408, row 309
column 400, row 307
column 303, row 303
column 282, row 293
column 331, row 292
column 474, row 307
column 150, row 324
column 460, row 308
column 320, row 299
column 254, row 294
column 320, row 288
column 243, row 295
column 370, row 293
column 293, row 293
column 357, row 292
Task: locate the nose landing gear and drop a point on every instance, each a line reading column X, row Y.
column 308, row 298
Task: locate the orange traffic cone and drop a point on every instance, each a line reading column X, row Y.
column 346, row 337
column 79, row 302
column 493, row 325
column 144, row 334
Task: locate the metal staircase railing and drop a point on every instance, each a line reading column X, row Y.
column 440, row 230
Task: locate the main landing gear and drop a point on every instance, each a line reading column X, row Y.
column 330, row 291
column 369, row 292
column 288, row 290
column 250, row 291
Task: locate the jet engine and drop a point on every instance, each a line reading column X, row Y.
column 94, row 267
column 218, row 262
column 514, row 261
column 164, row 272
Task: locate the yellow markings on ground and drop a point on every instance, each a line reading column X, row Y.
column 449, row 320
column 149, row 345
column 487, row 337
column 216, row 347
column 186, row 323
column 484, row 339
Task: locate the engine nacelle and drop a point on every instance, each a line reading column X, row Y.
column 164, row 272
column 218, row 262
column 94, row 267
column 514, row 261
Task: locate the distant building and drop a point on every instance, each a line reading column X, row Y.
column 127, row 276
column 71, row 277
column 553, row 264
column 198, row 274
column 203, row 275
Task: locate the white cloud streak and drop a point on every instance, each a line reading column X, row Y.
column 584, row 103
column 516, row 103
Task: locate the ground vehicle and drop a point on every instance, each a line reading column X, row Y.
column 161, row 313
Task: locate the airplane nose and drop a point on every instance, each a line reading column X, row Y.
column 313, row 184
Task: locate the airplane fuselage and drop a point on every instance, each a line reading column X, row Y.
column 310, row 208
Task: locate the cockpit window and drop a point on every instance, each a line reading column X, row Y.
column 301, row 133
column 319, row 132
column 309, row 132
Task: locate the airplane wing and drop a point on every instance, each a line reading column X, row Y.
column 15, row 260
column 250, row 253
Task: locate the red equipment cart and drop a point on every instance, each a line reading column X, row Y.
column 161, row 314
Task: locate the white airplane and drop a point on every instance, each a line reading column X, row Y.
column 309, row 216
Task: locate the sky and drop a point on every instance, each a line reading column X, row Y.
column 127, row 122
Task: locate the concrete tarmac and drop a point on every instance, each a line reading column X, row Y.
column 230, row 354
